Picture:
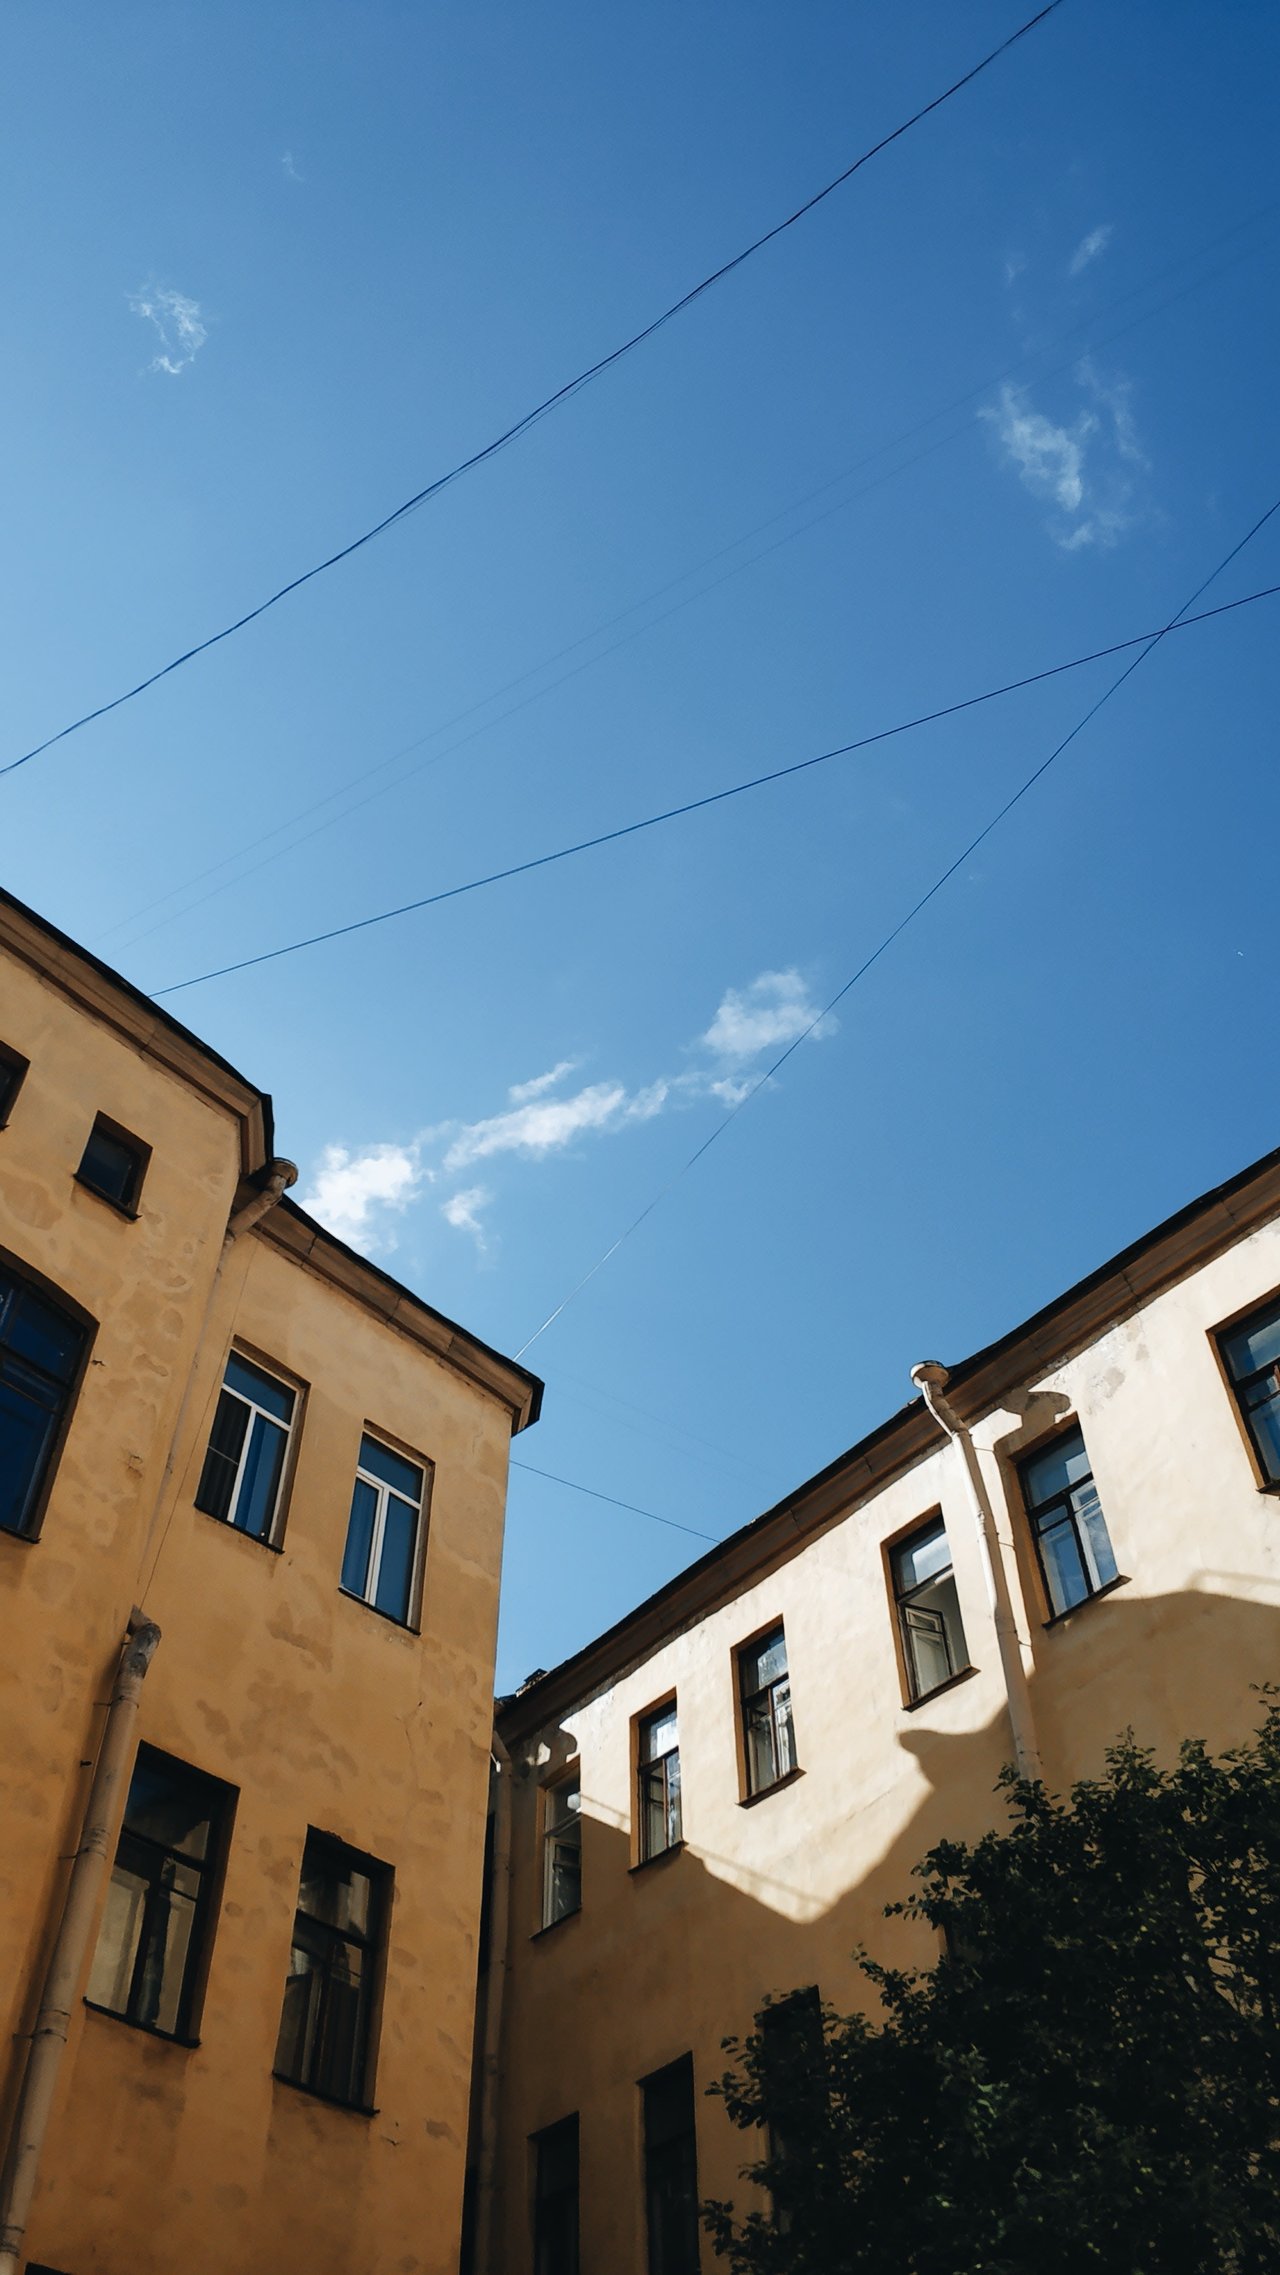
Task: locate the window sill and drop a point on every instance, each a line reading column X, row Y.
column 939, row 1690
column 258, row 1539
column 549, row 1926
column 1060, row 1618
column 144, row 2029
column 406, row 1626
column 660, row 1856
column 749, row 1800
column 330, row 2100
column 1270, row 1485
column 117, row 1208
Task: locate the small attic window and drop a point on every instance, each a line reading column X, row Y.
column 113, row 1165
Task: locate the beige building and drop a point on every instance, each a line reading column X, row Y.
column 237, row 1958
column 1076, row 1532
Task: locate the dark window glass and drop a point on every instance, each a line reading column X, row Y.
column 767, row 1724
column 671, row 2170
column 12, row 1069
column 659, row 1778
column 114, row 1165
column 928, row 1609
column 244, row 1465
column 561, row 1851
column 1252, row 1355
column 157, row 1916
column 1067, row 1522
column 381, row 1557
column 324, row 2025
column 40, row 1353
column 795, row 2091
column 555, row 2199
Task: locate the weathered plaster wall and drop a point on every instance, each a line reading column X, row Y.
column 776, row 1894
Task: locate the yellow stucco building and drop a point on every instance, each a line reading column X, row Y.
column 1075, row 1532
column 237, row 1956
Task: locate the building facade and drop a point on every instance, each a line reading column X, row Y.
column 1073, row 1533
column 219, row 1423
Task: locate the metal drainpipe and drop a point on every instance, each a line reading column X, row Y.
column 103, row 1811
column 931, row 1378
column 495, row 1992
column 66, row 1960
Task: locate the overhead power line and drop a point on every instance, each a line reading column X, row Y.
column 615, row 1503
column 296, row 836
column 549, row 403
column 713, row 797
column 1175, row 623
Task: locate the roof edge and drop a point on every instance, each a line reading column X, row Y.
column 1205, row 1228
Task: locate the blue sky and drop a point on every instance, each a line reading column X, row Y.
column 1006, row 397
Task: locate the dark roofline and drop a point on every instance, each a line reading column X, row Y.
column 146, row 1004
column 905, row 1438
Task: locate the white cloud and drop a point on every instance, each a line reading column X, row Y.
column 521, row 1092
column 351, row 1192
column 179, row 322
column 775, row 1009
column 462, row 1211
column 1090, row 247
column 1014, row 264
column 544, row 1126
column 288, row 167
column 1086, row 469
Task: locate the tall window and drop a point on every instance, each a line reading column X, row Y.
column 244, row 1466
column 928, row 1609
column 113, row 1165
column 1252, row 1355
column 1067, row 1524
column 561, row 1850
column 40, row 1353
column 658, row 1751
column 671, row 2169
column 555, row 2199
column 768, row 1729
column 328, row 1998
column 795, row 2092
column 381, row 1562
column 159, row 1915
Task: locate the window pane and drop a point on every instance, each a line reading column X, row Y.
column 42, row 1334
column 169, row 1928
column 1060, row 1466
column 262, row 1388
column 919, row 1558
column 934, row 1634
column 762, row 1767
column 395, row 1565
column 391, row 1469
column 658, row 1733
column 763, row 1662
column 1064, row 1572
column 171, row 1805
column 111, row 1167
column 355, row 1563
column 335, row 1890
column 260, row 1483
column 1095, row 1539
column 1255, row 1345
column 26, row 1440
column 222, row 1461
column 337, row 2055
column 300, row 2015
column 113, row 1962
column 786, row 1728
column 1264, row 1421
column 562, row 1884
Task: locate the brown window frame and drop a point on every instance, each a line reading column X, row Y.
column 643, row 1776
column 141, row 1154
column 751, row 1792
column 19, row 1269
column 15, row 1065
column 1218, row 1337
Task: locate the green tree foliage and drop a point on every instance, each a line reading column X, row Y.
column 1089, row 2078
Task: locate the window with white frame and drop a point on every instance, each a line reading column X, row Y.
column 924, row 1589
column 561, row 1850
column 244, row 1466
column 1067, row 1523
column 658, row 1776
column 384, row 1531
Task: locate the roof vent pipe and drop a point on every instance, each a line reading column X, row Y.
column 277, row 1175
column 931, row 1379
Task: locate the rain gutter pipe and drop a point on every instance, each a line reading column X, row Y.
column 495, row 1993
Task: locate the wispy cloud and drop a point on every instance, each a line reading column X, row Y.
column 287, row 166
column 1086, row 467
column 359, row 1195
column 1014, row 264
column 1090, row 247
column 179, row 322
column 462, row 1211
column 354, row 1193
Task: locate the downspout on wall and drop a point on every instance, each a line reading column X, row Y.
column 931, row 1378
column 70, row 1949
column 495, row 1993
